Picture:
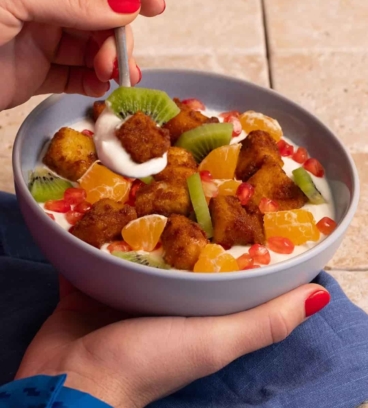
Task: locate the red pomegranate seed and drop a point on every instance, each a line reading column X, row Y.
column 87, row 132
column 194, row 104
column 59, row 206
column 225, row 246
column 206, row 176
column 52, row 216
column 326, row 225
column 234, row 119
column 268, row 205
column 285, row 148
column 73, row 217
column 280, row 245
column 252, row 267
column 244, row 261
column 71, row 229
column 83, row 207
column 119, row 246
column 314, row 167
column 245, row 192
column 136, row 185
column 74, row 196
column 260, row 254
column 234, row 113
column 301, row 155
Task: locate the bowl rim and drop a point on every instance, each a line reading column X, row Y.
column 293, row 262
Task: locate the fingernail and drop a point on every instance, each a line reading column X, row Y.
column 140, row 74
column 115, row 70
column 316, row 301
column 164, row 7
column 124, row 6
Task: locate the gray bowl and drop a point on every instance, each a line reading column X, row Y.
column 141, row 289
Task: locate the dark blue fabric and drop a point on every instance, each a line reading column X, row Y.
column 323, row 364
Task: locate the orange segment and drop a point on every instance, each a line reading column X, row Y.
column 214, row 258
column 100, row 182
column 258, row 121
column 229, row 187
column 297, row 225
column 145, row 232
column 221, row 162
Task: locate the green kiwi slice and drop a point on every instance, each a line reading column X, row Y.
column 154, row 261
column 147, row 180
column 45, row 186
column 203, row 139
column 199, row 203
column 304, row 181
column 156, row 104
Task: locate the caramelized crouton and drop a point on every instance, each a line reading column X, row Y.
column 103, row 222
column 232, row 225
column 142, row 138
column 163, row 198
column 186, row 120
column 180, row 165
column 70, row 154
column 271, row 181
column 98, row 108
column 182, row 241
column 256, row 148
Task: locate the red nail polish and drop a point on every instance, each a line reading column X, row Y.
column 164, row 7
column 140, row 74
column 115, row 70
column 124, row 6
column 316, row 301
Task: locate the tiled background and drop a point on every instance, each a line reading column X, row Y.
column 315, row 52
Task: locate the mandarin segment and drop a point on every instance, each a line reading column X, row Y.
column 221, row 162
column 214, row 258
column 251, row 121
column 297, row 225
column 229, row 187
column 100, row 182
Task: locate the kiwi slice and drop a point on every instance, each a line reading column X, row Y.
column 199, row 203
column 154, row 261
column 45, row 186
column 156, row 104
column 203, row 139
column 147, row 180
column 305, row 183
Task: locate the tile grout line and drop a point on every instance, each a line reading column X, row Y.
column 267, row 43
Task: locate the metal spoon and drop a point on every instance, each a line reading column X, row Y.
column 123, row 59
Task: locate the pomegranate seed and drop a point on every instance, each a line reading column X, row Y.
column 206, row 176
column 119, row 246
column 210, row 189
column 301, row 155
column 71, row 229
column 73, row 217
column 245, row 192
column 74, row 196
column 268, row 205
column 136, row 185
column 314, row 167
column 87, row 132
column 260, row 254
column 280, row 245
column 252, row 267
column 326, row 225
column 59, row 206
column 234, row 113
column 237, row 126
column 83, row 207
column 52, row 216
column 194, row 104
column 285, row 148
column 244, row 261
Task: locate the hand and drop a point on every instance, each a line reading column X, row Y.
column 63, row 46
column 132, row 362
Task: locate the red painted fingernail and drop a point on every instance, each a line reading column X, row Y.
column 115, row 70
column 140, row 74
column 316, row 301
column 124, row 6
column 164, row 7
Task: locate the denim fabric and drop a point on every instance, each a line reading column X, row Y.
column 322, row 364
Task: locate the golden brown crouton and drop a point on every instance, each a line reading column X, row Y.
column 98, row 108
column 163, row 198
column 182, row 241
column 103, row 222
column 271, row 181
column 177, row 156
column 256, row 148
column 142, row 138
column 232, row 225
column 186, row 120
column 70, row 154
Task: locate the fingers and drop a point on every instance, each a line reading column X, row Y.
column 151, row 8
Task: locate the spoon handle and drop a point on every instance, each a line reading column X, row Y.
column 123, row 60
